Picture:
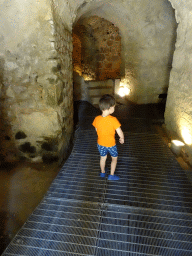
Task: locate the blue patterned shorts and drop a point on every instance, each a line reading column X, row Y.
column 104, row 150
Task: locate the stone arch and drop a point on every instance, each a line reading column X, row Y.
column 148, row 35
column 101, row 48
column 99, row 58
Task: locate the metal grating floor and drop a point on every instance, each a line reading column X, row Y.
column 147, row 212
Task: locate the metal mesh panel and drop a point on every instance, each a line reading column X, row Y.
column 144, row 231
column 147, row 212
column 140, row 146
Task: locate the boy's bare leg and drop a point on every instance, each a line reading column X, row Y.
column 102, row 163
column 113, row 165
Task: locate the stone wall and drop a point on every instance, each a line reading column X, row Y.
column 178, row 114
column 36, row 82
column 77, row 65
column 148, row 46
column 36, row 120
column 100, row 48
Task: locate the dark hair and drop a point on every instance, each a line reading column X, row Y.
column 106, row 102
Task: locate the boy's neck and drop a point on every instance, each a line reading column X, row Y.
column 105, row 113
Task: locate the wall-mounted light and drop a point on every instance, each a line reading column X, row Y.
column 87, row 77
column 186, row 136
column 176, row 147
column 123, row 90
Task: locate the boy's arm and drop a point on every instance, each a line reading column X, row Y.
column 121, row 135
column 94, row 124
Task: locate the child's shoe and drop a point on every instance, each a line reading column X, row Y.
column 113, row 177
column 102, row 175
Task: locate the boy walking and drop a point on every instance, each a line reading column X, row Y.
column 105, row 126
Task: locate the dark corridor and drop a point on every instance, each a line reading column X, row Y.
column 147, row 212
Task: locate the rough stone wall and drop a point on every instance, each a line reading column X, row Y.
column 100, row 48
column 77, row 66
column 178, row 114
column 36, row 83
column 148, row 49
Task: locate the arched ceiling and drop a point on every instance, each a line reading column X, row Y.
column 113, row 11
column 126, row 15
column 148, row 32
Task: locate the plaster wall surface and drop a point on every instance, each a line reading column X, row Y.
column 178, row 114
column 36, row 82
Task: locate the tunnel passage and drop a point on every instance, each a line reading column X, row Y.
column 147, row 34
column 37, row 67
column 96, row 57
column 98, row 54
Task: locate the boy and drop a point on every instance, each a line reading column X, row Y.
column 105, row 126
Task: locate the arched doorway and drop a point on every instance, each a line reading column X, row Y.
column 96, row 58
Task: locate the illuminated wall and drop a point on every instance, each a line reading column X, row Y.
column 77, row 66
column 178, row 114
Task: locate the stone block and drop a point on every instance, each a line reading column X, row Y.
column 40, row 124
column 10, row 93
column 110, row 43
column 50, row 95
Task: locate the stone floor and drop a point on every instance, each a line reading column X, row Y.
column 23, row 185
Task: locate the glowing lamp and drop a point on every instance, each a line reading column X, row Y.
column 176, row 147
column 186, row 136
column 123, row 90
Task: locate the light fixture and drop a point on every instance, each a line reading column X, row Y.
column 178, row 143
column 176, row 147
column 123, row 90
column 186, row 136
column 87, row 77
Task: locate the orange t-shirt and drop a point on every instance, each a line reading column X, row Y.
column 106, row 127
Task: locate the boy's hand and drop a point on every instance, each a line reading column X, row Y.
column 121, row 140
column 121, row 135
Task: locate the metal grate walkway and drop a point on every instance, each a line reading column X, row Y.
column 147, row 212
